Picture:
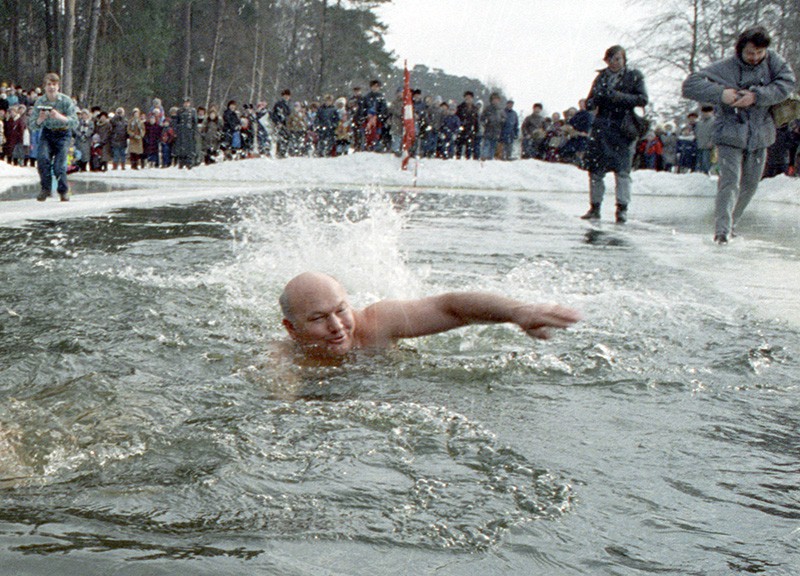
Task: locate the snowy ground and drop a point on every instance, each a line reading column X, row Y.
column 354, row 170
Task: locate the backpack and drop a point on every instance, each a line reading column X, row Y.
column 786, row 111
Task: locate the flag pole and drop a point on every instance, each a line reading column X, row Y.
column 408, row 120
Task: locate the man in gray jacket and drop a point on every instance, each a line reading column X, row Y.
column 743, row 87
column 704, row 138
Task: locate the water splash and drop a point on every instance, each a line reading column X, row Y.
column 352, row 235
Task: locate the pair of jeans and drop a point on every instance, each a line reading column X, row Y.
column 52, row 159
column 488, row 148
column 597, row 187
column 739, row 174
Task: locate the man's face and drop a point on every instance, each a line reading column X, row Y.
column 753, row 55
column 322, row 320
column 51, row 88
column 616, row 62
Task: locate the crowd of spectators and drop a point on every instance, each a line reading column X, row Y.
column 185, row 136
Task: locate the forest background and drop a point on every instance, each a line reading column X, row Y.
column 125, row 52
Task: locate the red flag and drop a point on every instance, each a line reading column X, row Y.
column 408, row 117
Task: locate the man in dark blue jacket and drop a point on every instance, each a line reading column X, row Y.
column 616, row 91
column 510, row 131
column 280, row 114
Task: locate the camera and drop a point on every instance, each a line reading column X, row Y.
column 45, row 108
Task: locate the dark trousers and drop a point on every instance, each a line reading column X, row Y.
column 52, row 159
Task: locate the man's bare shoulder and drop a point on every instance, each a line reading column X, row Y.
column 375, row 324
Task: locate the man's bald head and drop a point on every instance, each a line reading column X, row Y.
column 317, row 315
column 304, row 288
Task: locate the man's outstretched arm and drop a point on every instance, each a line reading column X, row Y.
column 394, row 319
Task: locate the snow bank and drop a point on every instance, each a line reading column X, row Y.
column 384, row 170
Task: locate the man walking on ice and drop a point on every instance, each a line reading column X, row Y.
column 55, row 114
column 743, row 87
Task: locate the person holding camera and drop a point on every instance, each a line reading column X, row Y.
column 743, row 87
column 615, row 92
column 56, row 116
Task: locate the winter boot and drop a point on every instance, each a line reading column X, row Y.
column 593, row 213
column 622, row 213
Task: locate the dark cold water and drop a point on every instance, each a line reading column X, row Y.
column 145, row 430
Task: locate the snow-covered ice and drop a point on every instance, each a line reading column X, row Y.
column 243, row 176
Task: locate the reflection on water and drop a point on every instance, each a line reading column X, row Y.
column 141, row 417
column 29, row 191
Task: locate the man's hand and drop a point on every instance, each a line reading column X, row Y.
column 729, row 96
column 745, row 99
column 537, row 319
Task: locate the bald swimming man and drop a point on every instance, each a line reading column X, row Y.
column 325, row 328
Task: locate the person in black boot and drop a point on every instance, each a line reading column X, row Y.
column 593, row 213
column 622, row 213
column 616, row 91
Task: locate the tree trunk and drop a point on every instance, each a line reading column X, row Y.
column 13, row 39
column 320, row 80
column 50, row 27
column 215, row 50
column 94, row 25
column 256, row 39
column 695, row 25
column 187, row 49
column 69, row 46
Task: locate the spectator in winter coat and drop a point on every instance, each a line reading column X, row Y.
column 14, row 131
column 510, row 131
column 358, row 117
column 167, row 140
column 83, row 139
column 533, row 133
column 468, row 114
column 185, row 147
column 704, row 138
column 616, row 91
column 669, row 143
column 430, row 124
column 230, row 125
column 581, row 123
column 344, row 128
column 102, row 128
column 396, row 121
column 280, row 117
column 492, row 120
column 136, row 139
column 448, row 132
column 296, row 128
column 375, row 104
column 325, row 126
column 777, row 154
column 152, row 140
column 651, row 149
column 211, row 132
column 686, row 150
column 743, row 86
column 119, row 139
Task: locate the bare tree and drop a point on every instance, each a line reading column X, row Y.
column 320, row 83
column 256, row 42
column 94, row 26
column 215, row 49
column 186, row 67
column 69, row 45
